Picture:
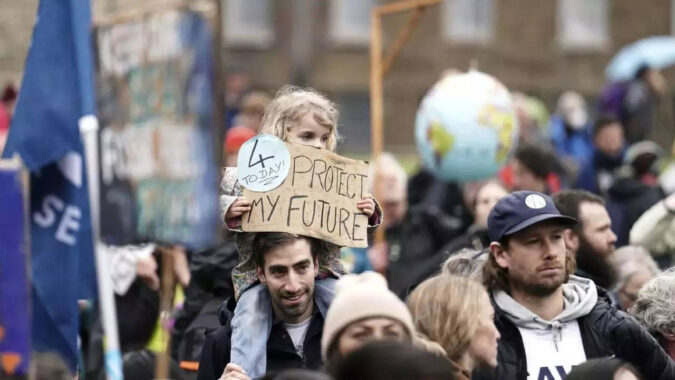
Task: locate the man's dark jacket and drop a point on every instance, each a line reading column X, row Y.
column 281, row 353
column 605, row 331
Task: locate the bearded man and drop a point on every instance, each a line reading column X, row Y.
column 591, row 241
column 286, row 265
column 550, row 320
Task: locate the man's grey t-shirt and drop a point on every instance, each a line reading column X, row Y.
column 297, row 333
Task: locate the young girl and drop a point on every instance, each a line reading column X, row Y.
column 301, row 116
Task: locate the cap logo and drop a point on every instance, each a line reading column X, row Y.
column 535, row 201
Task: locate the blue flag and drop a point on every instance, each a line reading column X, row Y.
column 57, row 90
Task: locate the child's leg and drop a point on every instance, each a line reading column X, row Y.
column 324, row 292
column 252, row 315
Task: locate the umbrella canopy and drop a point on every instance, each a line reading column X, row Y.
column 656, row 52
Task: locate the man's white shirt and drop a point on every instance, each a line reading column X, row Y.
column 297, row 333
column 550, row 356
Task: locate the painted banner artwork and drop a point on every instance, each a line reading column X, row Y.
column 158, row 171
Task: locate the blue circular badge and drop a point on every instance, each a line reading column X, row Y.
column 263, row 163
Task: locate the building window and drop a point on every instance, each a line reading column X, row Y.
column 354, row 121
column 583, row 24
column 469, row 21
column 248, row 22
column 349, row 21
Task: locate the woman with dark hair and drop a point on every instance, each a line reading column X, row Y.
column 363, row 310
column 390, row 360
column 296, row 374
column 140, row 365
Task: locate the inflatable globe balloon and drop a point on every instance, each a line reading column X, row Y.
column 466, row 127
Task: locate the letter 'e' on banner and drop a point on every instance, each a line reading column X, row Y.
column 303, row 190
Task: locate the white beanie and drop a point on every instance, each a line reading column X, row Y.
column 360, row 296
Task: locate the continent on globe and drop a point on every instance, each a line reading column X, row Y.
column 441, row 141
column 503, row 122
column 466, row 127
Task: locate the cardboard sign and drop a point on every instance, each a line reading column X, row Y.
column 318, row 199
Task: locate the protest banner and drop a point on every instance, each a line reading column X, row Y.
column 14, row 286
column 157, row 159
column 318, row 197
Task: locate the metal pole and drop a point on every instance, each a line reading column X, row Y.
column 111, row 349
column 378, row 70
column 219, row 88
column 376, row 103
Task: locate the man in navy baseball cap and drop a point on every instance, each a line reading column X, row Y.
column 520, row 210
column 550, row 320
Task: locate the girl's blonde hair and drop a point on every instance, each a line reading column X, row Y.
column 291, row 104
column 445, row 311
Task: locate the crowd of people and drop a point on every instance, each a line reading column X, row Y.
column 513, row 277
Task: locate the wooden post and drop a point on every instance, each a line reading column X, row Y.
column 401, row 39
column 219, row 85
column 376, row 110
column 376, row 103
column 168, row 284
column 378, row 70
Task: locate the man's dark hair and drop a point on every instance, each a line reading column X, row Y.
column 568, row 202
column 264, row 242
column 587, row 259
column 140, row 365
column 395, row 361
column 604, row 121
column 497, row 278
column 504, row 241
column 641, row 72
column 9, row 94
column 539, row 160
column 296, row 374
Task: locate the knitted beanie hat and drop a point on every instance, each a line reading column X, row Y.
column 358, row 297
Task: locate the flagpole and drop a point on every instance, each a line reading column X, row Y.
column 111, row 345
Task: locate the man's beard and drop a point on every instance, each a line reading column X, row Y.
column 291, row 311
column 594, row 264
column 538, row 290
